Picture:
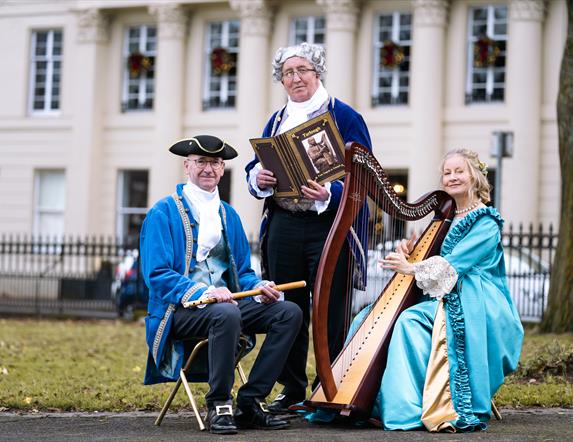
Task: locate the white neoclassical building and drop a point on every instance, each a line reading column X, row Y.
column 95, row 91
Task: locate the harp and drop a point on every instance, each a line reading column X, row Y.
column 349, row 384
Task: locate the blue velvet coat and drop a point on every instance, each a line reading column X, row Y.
column 169, row 241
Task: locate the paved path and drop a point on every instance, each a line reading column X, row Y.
column 517, row 425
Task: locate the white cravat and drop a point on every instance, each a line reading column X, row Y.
column 206, row 207
column 297, row 113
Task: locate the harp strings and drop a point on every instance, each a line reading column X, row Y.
column 366, row 279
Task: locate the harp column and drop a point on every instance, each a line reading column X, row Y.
column 524, row 70
column 341, row 25
column 83, row 199
column 167, row 169
column 427, row 94
column 254, row 73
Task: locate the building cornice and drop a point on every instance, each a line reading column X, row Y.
column 341, row 15
column 430, row 12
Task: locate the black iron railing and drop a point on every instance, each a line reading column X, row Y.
column 61, row 276
column 529, row 254
column 99, row 277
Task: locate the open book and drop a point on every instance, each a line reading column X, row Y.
column 313, row 150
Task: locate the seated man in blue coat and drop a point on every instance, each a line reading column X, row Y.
column 193, row 246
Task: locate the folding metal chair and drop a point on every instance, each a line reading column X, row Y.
column 245, row 345
column 495, row 411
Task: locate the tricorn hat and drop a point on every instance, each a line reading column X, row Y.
column 204, row 145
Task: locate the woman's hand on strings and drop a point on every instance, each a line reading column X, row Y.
column 315, row 191
column 397, row 262
column 266, row 179
column 406, row 246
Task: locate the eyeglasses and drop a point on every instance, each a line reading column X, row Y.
column 301, row 72
column 201, row 164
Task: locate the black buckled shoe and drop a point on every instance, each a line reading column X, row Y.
column 282, row 403
column 257, row 416
column 220, row 419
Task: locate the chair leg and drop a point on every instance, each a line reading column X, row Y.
column 241, row 373
column 192, row 400
column 182, row 378
column 168, row 403
column 495, row 411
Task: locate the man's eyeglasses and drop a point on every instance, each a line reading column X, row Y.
column 201, row 164
column 301, row 72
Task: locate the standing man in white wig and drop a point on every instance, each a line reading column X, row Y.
column 293, row 231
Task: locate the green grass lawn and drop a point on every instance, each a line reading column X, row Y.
column 99, row 365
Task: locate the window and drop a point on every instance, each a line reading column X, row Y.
column 309, row 29
column 222, row 52
column 140, row 46
column 49, row 202
column 392, row 41
column 132, row 204
column 45, row 71
column 486, row 54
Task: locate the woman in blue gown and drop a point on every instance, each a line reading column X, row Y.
column 449, row 354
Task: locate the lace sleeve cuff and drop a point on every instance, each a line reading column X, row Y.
column 435, row 276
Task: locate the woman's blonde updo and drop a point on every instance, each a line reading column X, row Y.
column 478, row 172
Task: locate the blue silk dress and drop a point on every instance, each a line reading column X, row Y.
column 448, row 357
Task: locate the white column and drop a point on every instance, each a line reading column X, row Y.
column 254, row 72
column 341, row 26
column 427, row 94
column 83, row 176
column 167, row 169
column 520, row 187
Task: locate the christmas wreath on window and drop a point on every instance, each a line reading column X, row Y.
column 391, row 55
column 138, row 63
column 486, row 52
column 222, row 61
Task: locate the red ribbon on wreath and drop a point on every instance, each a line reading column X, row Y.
column 138, row 63
column 486, row 52
column 391, row 55
column 222, row 61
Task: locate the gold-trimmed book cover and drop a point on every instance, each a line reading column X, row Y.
column 313, row 150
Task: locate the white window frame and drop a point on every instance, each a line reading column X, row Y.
column 51, row 71
column 225, row 79
column 395, row 73
column 490, row 70
column 142, row 81
column 121, row 210
column 54, row 210
column 312, row 30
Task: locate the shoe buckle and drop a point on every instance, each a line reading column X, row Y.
column 263, row 406
column 224, row 410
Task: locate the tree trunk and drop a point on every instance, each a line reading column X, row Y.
column 559, row 314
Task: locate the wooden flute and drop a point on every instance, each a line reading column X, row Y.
column 238, row 295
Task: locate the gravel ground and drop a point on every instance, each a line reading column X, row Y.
column 532, row 424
